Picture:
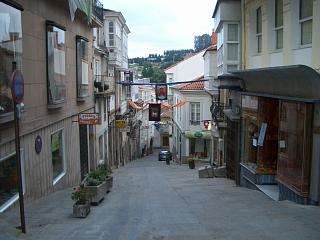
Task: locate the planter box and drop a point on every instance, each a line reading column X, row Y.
column 98, row 192
column 81, row 210
column 109, row 183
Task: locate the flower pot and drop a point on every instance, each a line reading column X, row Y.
column 98, row 192
column 191, row 164
column 81, row 210
column 109, row 183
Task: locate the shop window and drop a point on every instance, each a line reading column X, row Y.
column 10, row 56
column 9, row 181
column 82, row 67
column 57, row 154
column 294, row 146
column 56, row 63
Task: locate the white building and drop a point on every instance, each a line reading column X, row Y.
column 186, row 70
column 190, row 114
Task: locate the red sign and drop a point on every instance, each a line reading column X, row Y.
column 88, row 118
column 154, row 111
column 17, row 87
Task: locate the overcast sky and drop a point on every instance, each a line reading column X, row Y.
column 158, row 25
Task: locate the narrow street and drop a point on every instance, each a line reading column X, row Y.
column 151, row 200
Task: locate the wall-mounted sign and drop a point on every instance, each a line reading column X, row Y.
column 198, row 134
column 154, row 111
column 88, row 118
column 161, row 92
column 121, row 124
column 38, row 144
column 17, row 87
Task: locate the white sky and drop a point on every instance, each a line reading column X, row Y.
column 158, row 25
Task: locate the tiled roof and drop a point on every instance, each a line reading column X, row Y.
column 196, row 85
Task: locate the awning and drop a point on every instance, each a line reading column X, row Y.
column 296, row 82
column 83, row 5
column 198, row 134
column 179, row 104
column 134, row 105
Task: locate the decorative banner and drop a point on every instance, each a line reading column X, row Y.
column 88, row 118
column 154, row 111
column 161, row 92
column 121, row 124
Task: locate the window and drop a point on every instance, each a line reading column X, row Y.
column 259, row 29
column 305, row 19
column 232, row 51
column 231, row 68
column 9, row 182
column 111, row 40
column 111, row 27
column 279, row 23
column 56, row 63
column 10, row 56
column 101, row 147
column 82, row 67
column 57, row 155
column 233, row 32
column 195, row 113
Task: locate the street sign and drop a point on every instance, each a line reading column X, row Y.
column 17, row 87
column 121, row 124
column 126, row 129
column 88, row 119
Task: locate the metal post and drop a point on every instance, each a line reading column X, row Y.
column 17, row 141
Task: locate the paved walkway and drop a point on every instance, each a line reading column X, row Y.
column 151, row 200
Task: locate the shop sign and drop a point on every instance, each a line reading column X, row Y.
column 126, row 129
column 262, row 133
column 198, row 134
column 121, row 124
column 88, row 118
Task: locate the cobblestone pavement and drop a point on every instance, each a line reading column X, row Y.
column 152, row 200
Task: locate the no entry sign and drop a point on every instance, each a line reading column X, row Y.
column 17, row 87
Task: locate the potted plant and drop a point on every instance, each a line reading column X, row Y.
column 106, row 172
column 81, row 197
column 191, row 163
column 95, row 184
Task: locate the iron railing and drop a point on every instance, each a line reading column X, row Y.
column 98, row 9
column 216, row 110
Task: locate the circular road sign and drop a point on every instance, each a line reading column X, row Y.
column 17, row 87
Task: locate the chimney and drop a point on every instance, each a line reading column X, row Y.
column 214, row 38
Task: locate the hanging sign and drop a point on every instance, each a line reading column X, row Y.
column 88, row 118
column 17, row 87
column 154, row 111
column 161, row 92
column 198, row 134
column 121, row 124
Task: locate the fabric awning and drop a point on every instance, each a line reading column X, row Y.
column 298, row 82
column 179, row 104
column 134, row 105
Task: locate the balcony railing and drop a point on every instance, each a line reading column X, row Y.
column 103, row 84
column 217, row 112
column 98, row 9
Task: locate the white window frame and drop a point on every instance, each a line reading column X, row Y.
column 195, row 121
column 258, row 35
column 61, row 175
column 277, row 28
column 14, row 198
column 301, row 21
column 232, row 62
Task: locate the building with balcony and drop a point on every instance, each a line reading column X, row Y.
column 50, row 42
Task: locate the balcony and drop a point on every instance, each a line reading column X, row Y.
column 103, row 86
column 218, row 116
column 97, row 13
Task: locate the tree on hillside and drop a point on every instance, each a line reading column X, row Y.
column 201, row 42
column 158, row 75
